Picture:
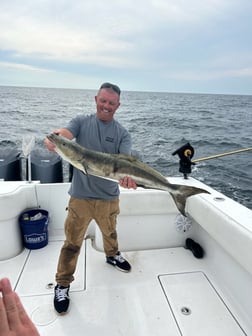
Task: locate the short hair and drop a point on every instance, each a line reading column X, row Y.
column 111, row 86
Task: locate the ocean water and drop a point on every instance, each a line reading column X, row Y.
column 159, row 124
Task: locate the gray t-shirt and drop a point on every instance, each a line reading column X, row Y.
column 108, row 137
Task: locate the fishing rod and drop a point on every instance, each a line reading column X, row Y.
column 186, row 153
column 223, row 154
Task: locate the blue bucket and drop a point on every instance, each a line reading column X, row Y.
column 34, row 227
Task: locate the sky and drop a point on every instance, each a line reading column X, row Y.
column 196, row 46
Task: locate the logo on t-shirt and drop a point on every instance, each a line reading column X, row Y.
column 109, row 139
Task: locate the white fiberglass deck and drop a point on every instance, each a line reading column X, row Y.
column 168, row 292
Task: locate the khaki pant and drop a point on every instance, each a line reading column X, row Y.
column 80, row 213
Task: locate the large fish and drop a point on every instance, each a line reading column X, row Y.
column 116, row 166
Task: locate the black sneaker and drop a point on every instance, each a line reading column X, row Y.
column 196, row 249
column 119, row 262
column 61, row 299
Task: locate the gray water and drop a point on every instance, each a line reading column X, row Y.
column 159, row 123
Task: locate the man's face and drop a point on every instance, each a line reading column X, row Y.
column 107, row 102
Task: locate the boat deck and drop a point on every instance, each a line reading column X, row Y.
column 168, row 292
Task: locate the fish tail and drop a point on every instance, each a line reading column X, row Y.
column 181, row 193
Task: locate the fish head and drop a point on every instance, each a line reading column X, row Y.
column 67, row 149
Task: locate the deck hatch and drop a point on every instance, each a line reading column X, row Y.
column 197, row 307
column 38, row 274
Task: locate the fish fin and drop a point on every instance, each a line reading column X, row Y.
column 85, row 167
column 126, row 157
column 182, row 193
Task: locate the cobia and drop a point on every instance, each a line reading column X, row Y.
column 116, row 166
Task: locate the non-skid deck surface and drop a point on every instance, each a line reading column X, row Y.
column 168, row 292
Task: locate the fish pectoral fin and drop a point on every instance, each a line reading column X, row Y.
column 85, row 167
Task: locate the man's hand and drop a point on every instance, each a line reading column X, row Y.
column 14, row 321
column 128, row 182
column 61, row 131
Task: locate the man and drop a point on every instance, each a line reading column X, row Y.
column 92, row 197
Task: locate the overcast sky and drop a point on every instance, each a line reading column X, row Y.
column 143, row 45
